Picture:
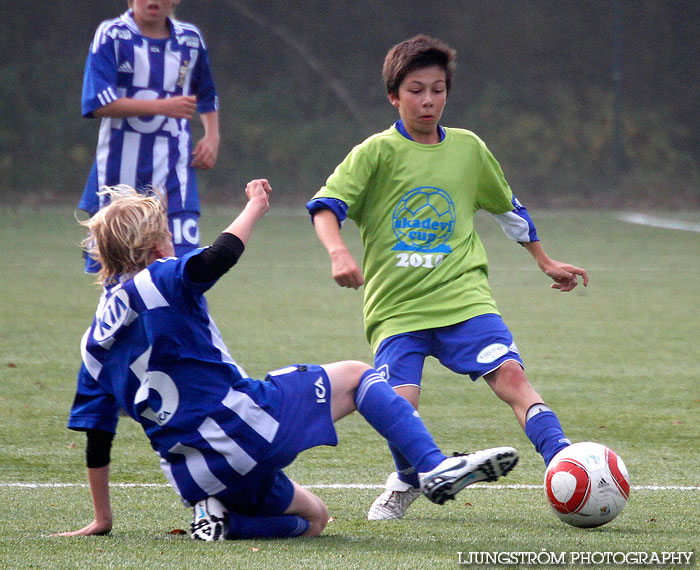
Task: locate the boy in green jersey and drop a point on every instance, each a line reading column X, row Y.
column 413, row 190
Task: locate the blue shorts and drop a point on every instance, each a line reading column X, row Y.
column 185, row 229
column 301, row 396
column 476, row 347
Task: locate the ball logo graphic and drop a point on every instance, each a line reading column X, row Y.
column 423, row 220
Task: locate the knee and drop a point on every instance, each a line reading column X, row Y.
column 357, row 368
column 513, row 373
column 318, row 520
column 508, row 381
column 509, row 370
column 347, row 372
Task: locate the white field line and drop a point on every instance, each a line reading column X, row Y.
column 334, row 486
column 658, row 222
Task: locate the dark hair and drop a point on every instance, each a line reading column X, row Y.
column 418, row 52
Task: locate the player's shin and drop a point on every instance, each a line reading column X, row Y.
column 396, row 420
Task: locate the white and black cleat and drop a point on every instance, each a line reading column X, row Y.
column 457, row 472
column 394, row 501
column 209, row 522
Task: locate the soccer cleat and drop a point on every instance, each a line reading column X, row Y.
column 394, row 501
column 457, row 472
column 209, row 522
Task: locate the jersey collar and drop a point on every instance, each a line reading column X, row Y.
column 399, row 126
column 128, row 18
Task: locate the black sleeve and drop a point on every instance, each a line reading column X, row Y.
column 215, row 260
column 98, row 448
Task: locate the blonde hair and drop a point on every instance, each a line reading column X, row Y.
column 124, row 234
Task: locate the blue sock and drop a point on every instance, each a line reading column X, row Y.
column 545, row 432
column 281, row 526
column 405, row 470
column 395, row 419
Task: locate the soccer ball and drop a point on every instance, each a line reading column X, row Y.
column 586, row 484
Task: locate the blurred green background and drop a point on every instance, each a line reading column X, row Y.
column 585, row 102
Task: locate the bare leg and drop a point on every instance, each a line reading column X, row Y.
column 309, row 507
column 410, row 393
column 344, row 377
column 511, row 385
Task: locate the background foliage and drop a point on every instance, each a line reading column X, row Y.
column 300, row 83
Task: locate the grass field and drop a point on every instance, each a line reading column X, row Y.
column 619, row 362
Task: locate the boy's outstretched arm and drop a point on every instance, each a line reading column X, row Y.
column 211, row 263
column 518, row 226
column 563, row 274
column 97, row 457
column 98, row 478
column 258, row 193
column 344, row 268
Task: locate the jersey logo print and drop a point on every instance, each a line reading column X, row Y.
column 423, row 221
column 189, row 41
column 383, row 371
column 111, row 315
column 320, row 391
column 126, row 68
column 119, row 34
column 491, row 353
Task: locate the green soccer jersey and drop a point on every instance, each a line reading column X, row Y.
column 424, row 264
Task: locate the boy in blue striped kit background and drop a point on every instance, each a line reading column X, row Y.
column 146, row 76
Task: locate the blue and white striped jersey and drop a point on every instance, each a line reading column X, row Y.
column 154, row 351
column 145, row 151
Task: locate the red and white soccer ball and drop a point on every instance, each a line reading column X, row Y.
column 586, row 484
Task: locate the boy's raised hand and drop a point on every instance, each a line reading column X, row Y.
column 258, row 193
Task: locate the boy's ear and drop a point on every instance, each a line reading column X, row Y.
column 393, row 99
column 164, row 249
